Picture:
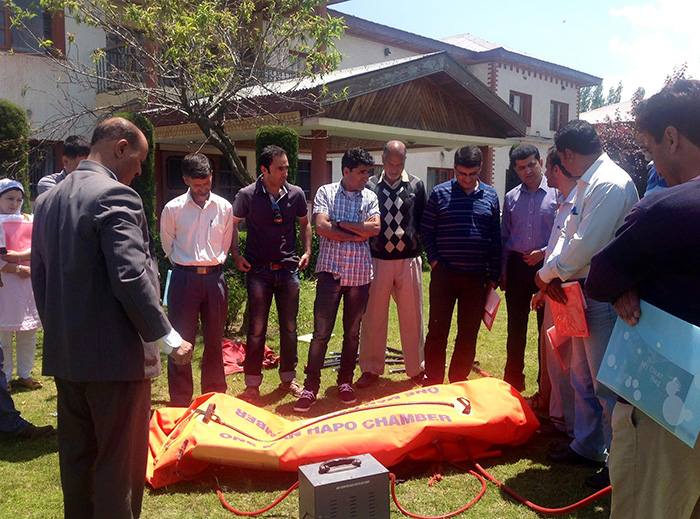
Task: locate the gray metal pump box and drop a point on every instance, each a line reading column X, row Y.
column 346, row 488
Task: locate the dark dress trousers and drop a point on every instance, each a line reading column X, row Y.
column 95, row 282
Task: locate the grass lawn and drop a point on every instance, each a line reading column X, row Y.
column 29, row 474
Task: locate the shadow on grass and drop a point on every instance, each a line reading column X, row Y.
column 233, row 482
column 20, row 451
column 526, row 471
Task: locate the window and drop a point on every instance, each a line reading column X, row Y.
column 522, row 105
column 23, row 39
column 438, row 176
column 304, row 176
column 558, row 115
column 42, row 162
column 228, row 184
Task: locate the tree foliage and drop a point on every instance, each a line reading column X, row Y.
column 592, row 97
column 614, row 95
column 14, row 146
column 620, row 139
column 145, row 183
column 207, row 62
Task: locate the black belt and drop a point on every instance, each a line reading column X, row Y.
column 200, row 270
column 271, row 266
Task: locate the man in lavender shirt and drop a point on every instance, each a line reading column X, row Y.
column 528, row 215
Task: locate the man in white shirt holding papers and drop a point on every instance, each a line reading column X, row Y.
column 605, row 194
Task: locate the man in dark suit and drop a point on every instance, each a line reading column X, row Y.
column 95, row 281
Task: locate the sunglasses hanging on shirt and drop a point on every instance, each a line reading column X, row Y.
column 278, row 214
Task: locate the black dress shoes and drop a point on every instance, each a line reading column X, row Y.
column 568, row 455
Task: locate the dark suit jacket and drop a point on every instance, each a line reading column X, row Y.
column 95, row 280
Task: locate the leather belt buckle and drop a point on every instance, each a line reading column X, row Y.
column 202, row 270
column 276, row 266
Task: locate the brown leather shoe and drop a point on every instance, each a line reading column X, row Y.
column 32, row 432
column 30, row 382
column 292, row 387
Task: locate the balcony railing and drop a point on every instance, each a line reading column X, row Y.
column 121, row 65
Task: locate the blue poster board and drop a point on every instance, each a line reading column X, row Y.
column 655, row 366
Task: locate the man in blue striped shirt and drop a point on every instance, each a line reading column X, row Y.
column 461, row 233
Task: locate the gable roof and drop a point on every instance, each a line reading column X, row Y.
column 426, row 100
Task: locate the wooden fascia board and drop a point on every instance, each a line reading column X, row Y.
column 429, row 65
column 383, row 133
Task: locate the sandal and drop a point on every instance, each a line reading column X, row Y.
column 30, row 382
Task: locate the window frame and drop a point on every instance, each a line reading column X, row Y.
column 558, row 114
column 57, row 30
column 6, row 43
column 525, row 105
column 442, row 174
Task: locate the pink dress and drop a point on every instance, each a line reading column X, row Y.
column 17, row 307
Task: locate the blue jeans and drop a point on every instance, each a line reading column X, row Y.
column 593, row 402
column 262, row 284
column 329, row 292
column 11, row 423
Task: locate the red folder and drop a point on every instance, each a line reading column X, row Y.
column 557, row 341
column 570, row 319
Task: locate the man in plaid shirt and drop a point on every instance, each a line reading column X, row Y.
column 345, row 216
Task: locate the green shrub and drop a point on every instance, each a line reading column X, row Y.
column 14, row 146
column 285, row 138
column 145, row 184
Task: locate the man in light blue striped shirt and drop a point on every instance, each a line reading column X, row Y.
column 345, row 216
column 461, row 231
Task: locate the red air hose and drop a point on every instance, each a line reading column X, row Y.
column 256, row 512
column 451, row 514
column 540, row 509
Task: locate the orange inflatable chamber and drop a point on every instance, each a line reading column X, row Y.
column 219, row 429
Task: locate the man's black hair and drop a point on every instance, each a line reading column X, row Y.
column 468, row 157
column 523, row 151
column 75, row 146
column 580, row 137
column 196, row 165
column 268, row 154
column 356, row 156
column 676, row 105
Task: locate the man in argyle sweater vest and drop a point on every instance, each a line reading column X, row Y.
column 396, row 261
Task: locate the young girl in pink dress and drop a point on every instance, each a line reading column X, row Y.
column 18, row 314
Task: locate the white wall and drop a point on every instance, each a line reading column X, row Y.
column 357, row 52
column 543, row 90
column 481, row 71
